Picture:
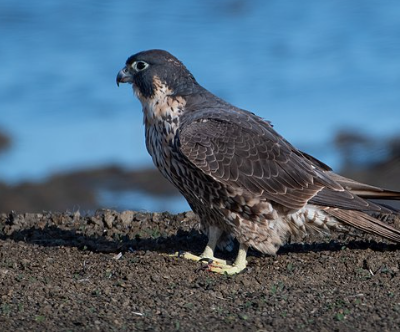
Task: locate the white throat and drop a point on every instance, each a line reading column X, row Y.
column 163, row 107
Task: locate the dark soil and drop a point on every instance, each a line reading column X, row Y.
column 111, row 272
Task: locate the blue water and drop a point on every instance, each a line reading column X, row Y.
column 311, row 67
column 141, row 201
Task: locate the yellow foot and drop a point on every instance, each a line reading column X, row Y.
column 226, row 269
column 238, row 266
column 207, row 260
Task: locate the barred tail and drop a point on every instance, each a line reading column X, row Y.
column 365, row 222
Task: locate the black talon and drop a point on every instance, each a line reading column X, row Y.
column 207, row 260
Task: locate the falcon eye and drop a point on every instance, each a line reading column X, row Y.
column 140, row 65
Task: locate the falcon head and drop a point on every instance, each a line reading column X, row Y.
column 150, row 70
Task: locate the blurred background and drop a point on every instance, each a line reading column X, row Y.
column 326, row 73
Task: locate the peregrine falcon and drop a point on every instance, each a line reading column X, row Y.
column 237, row 173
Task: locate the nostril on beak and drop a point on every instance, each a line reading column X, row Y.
column 123, row 76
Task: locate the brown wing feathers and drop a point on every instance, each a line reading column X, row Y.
column 260, row 162
column 365, row 190
column 242, row 151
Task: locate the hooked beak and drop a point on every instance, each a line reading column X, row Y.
column 124, row 76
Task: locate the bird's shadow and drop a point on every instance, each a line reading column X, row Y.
column 194, row 241
column 52, row 236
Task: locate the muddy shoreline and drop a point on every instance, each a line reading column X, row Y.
column 110, row 271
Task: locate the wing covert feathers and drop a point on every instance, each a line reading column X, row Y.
column 244, row 152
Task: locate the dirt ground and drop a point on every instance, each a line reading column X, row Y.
column 110, row 272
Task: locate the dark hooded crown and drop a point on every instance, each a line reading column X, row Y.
column 164, row 66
